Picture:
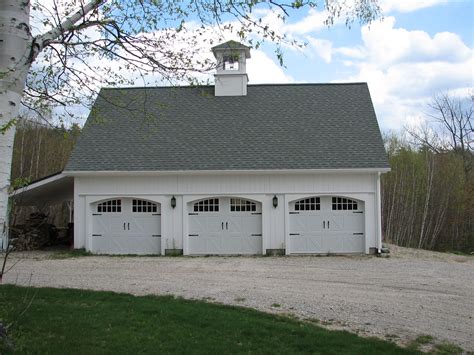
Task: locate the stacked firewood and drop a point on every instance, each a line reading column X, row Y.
column 35, row 234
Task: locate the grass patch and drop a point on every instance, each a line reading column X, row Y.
column 419, row 341
column 72, row 253
column 434, row 347
column 447, row 349
column 58, row 321
column 424, row 339
column 75, row 253
column 276, row 305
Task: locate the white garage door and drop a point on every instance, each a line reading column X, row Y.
column 327, row 224
column 126, row 226
column 225, row 226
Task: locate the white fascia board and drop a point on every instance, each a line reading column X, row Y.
column 39, row 183
column 226, row 172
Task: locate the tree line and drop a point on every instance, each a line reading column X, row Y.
column 41, row 150
column 428, row 197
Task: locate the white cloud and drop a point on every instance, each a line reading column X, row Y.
column 404, row 69
column 353, row 52
column 322, row 47
column 408, row 5
column 262, row 69
column 313, row 22
column 386, row 45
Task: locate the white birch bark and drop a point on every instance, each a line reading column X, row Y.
column 15, row 41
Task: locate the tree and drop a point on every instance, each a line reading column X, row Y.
column 57, row 58
column 452, row 128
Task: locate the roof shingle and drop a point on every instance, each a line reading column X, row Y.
column 300, row 126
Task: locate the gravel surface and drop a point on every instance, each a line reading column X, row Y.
column 409, row 294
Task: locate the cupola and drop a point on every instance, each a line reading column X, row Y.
column 231, row 76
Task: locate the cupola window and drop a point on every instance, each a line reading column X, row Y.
column 231, row 62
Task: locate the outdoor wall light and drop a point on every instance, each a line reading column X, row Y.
column 275, row 201
column 173, row 202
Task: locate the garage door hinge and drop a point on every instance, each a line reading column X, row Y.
column 156, row 235
column 193, row 235
column 97, row 235
column 357, row 233
column 358, row 212
column 256, row 235
column 193, row 214
column 256, row 212
column 156, row 214
column 97, row 214
column 294, row 234
column 294, row 213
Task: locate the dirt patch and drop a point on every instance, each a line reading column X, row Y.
column 411, row 293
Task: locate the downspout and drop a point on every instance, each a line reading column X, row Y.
column 379, row 215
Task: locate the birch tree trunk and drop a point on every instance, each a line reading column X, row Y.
column 18, row 50
column 15, row 61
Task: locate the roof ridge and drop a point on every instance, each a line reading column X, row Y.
column 209, row 86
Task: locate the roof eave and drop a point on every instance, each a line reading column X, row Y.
column 77, row 173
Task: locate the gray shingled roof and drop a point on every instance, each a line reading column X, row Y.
column 302, row 126
column 230, row 45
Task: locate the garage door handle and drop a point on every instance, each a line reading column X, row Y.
column 328, row 224
column 123, row 225
column 222, row 225
column 324, row 224
column 128, row 225
column 226, row 225
column 357, row 233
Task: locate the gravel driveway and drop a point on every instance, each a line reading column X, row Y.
column 409, row 294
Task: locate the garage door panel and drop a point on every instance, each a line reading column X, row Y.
column 354, row 243
column 135, row 245
column 306, row 244
column 100, row 244
column 206, row 245
column 326, row 225
column 100, row 225
column 244, row 225
column 144, row 226
column 235, row 228
column 333, row 242
column 205, row 225
column 308, row 222
column 346, row 221
column 123, row 231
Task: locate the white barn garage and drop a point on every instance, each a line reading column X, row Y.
column 229, row 169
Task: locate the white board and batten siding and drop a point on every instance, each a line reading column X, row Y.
column 275, row 223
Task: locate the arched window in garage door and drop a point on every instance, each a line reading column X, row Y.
column 208, row 205
column 110, row 206
column 343, row 204
column 308, row 204
column 143, row 206
column 241, row 205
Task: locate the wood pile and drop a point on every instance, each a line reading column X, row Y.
column 35, row 234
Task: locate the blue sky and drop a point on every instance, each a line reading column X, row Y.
column 419, row 48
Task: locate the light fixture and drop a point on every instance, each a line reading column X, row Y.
column 173, row 202
column 275, row 201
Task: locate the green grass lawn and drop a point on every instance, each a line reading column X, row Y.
column 64, row 321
